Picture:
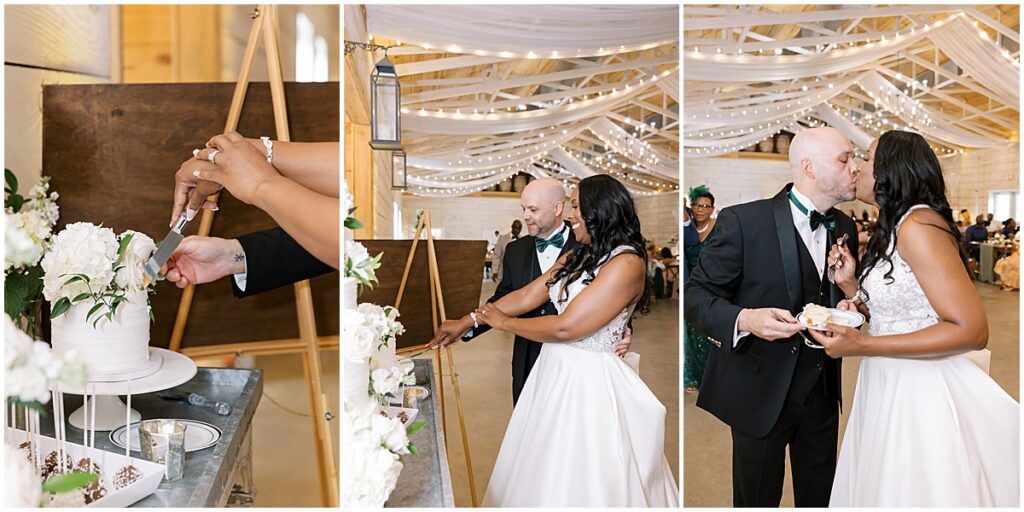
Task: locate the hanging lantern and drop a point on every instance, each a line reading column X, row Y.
column 399, row 179
column 385, row 107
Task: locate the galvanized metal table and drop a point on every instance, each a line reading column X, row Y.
column 214, row 477
column 426, row 480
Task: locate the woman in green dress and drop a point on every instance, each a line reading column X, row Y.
column 695, row 343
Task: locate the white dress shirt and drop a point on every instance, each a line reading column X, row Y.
column 814, row 241
column 549, row 255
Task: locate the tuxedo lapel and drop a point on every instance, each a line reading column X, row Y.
column 835, row 293
column 531, row 268
column 787, row 246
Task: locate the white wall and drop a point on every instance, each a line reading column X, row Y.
column 62, row 44
column 659, row 217
column 462, row 218
column 236, row 24
column 971, row 176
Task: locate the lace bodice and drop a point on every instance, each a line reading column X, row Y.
column 899, row 306
column 603, row 339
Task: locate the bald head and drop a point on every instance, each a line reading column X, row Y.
column 542, row 202
column 823, row 166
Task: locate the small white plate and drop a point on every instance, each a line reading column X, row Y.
column 397, row 399
column 198, row 435
column 847, row 318
column 410, row 414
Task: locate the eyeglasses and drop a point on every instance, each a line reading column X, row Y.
column 703, row 206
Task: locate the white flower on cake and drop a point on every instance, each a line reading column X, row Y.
column 140, row 247
column 22, row 486
column 392, row 434
column 384, row 381
column 81, row 248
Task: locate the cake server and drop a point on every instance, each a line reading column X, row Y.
column 166, row 249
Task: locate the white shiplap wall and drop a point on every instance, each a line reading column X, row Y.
column 971, row 176
column 736, row 180
column 659, row 217
column 47, row 44
column 462, row 218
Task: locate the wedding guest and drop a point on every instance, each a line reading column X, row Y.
column 1010, row 228
column 667, row 259
column 1008, row 269
column 296, row 183
column 965, row 217
column 656, row 271
column 696, row 343
column 977, row 232
column 499, row 249
column 690, row 237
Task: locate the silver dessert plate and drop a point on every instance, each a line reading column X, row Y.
column 198, row 435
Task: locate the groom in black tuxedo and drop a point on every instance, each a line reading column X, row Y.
column 766, row 260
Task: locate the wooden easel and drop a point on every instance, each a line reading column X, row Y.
column 265, row 22
column 436, row 306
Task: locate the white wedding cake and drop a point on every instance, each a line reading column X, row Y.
column 115, row 349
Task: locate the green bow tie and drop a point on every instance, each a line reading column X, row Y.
column 557, row 241
column 828, row 219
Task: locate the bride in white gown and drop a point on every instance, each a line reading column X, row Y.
column 928, row 427
column 586, row 430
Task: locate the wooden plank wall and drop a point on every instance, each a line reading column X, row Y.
column 112, row 151
column 48, row 44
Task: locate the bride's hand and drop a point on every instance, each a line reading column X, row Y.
column 490, row 314
column 844, row 266
column 840, row 341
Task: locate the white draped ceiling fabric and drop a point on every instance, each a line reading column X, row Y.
column 951, row 73
column 560, row 91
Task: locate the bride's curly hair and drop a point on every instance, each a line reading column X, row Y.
column 610, row 216
column 907, row 173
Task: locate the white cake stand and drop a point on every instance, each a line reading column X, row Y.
column 175, row 370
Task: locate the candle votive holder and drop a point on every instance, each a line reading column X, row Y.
column 163, row 442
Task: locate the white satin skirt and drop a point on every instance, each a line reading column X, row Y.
column 928, row 433
column 586, row 432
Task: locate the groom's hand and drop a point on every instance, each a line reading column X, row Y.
column 202, row 259
column 621, row 347
column 768, row 323
column 449, row 332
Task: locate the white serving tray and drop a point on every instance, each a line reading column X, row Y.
column 109, row 462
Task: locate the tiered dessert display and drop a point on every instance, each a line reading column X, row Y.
column 374, row 436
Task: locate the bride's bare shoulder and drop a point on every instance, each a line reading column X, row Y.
column 924, row 233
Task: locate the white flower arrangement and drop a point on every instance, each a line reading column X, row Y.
column 23, row 488
column 359, row 265
column 31, row 369
column 371, row 332
column 372, row 466
column 90, row 263
column 29, row 222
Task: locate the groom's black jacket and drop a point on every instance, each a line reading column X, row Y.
column 519, row 268
column 274, row 259
column 754, row 260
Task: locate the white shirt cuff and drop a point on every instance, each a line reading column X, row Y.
column 737, row 334
column 686, row 223
column 240, row 279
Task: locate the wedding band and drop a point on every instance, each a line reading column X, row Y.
column 212, row 157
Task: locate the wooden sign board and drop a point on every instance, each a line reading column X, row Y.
column 460, row 265
column 112, row 151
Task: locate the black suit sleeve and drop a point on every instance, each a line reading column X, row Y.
column 274, row 259
column 715, row 279
column 504, row 288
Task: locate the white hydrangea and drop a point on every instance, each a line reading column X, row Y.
column 81, row 248
column 384, row 381
column 23, row 487
column 139, row 249
column 19, row 248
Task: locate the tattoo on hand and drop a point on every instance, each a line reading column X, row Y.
column 240, row 257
